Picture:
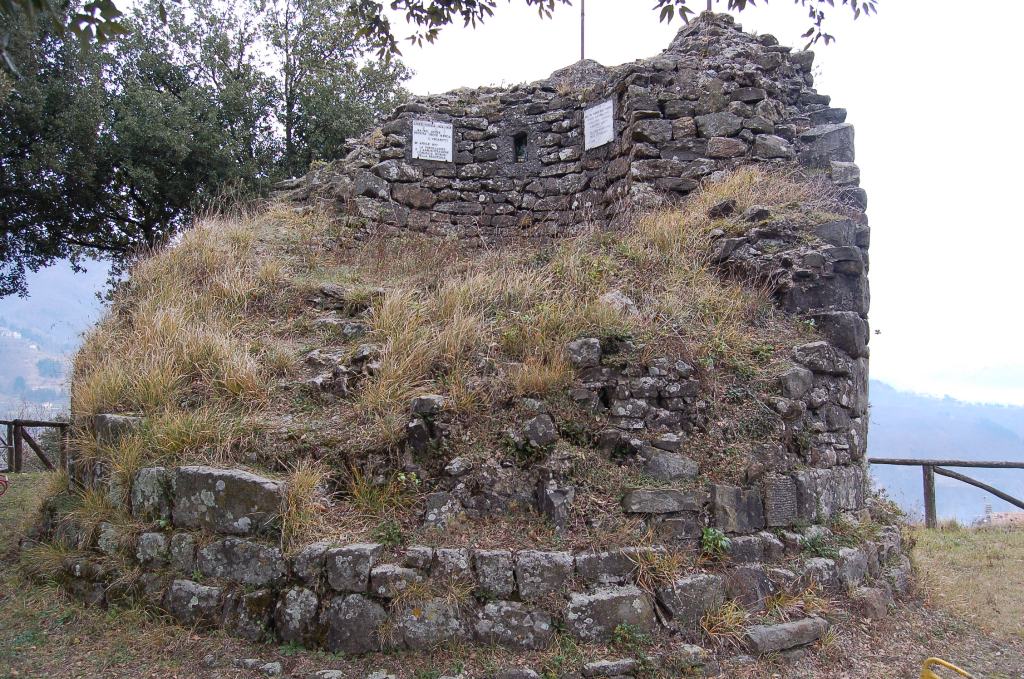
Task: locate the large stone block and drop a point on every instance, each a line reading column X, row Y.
column 852, row 567
column 622, row 667
column 749, row 585
column 109, row 428
column 584, row 352
column 796, row 382
column 773, row 638
column 669, row 467
column 845, row 329
column 152, row 549
column 247, row 614
column 495, row 572
column 821, row 572
column 605, row 568
column 243, row 562
column 295, row 616
column 726, row 147
column 109, row 538
column 654, row 131
column 756, row 548
column 352, row 625
column 150, row 494
column 308, row 565
column 414, row 196
column 348, row 568
column 542, row 573
column 451, row 564
column 389, row 581
column 827, row 143
column 429, row 623
column 514, row 625
column 183, row 551
column 871, row 602
column 824, row 493
column 594, row 617
column 737, row 510
column 720, row 124
column 771, row 146
column 822, row 358
column 689, row 598
column 663, row 500
column 224, row 500
column 193, row 604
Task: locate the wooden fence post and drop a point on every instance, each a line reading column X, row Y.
column 930, row 519
column 18, row 448
column 10, row 448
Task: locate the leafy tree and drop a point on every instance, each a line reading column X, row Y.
column 328, row 91
column 97, row 20
column 104, row 151
column 109, row 151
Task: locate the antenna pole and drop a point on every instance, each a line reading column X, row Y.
column 583, row 6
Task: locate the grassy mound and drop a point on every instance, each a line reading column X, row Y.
column 208, row 339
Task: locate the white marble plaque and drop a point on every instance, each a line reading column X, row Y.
column 432, row 140
column 598, row 125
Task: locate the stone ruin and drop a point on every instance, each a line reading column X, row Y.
column 586, row 147
column 516, row 162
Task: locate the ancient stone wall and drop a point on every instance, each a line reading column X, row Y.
column 217, row 564
column 715, row 99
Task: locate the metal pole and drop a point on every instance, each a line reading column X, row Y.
column 929, row 496
column 583, row 11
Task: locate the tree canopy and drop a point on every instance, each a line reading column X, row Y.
column 111, row 149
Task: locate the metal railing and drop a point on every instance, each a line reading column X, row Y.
column 930, row 468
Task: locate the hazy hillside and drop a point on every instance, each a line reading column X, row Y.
column 39, row 333
column 904, row 424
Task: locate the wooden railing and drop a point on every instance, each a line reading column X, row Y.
column 16, row 438
column 930, row 468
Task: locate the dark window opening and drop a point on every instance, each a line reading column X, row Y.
column 519, row 146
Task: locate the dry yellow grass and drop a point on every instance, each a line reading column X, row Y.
column 447, row 312
column 304, row 516
column 185, row 344
column 726, row 626
column 975, row 572
column 206, row 337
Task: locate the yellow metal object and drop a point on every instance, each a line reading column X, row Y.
column 927, row 673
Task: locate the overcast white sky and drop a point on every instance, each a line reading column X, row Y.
column 932, row 89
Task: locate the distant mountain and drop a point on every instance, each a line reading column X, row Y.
column 905, row 424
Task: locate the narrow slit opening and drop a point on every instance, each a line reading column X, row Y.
column 519, row 146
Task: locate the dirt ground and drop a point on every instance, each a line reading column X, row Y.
column 44, row 634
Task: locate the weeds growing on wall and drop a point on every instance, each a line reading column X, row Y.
column 206, row 340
